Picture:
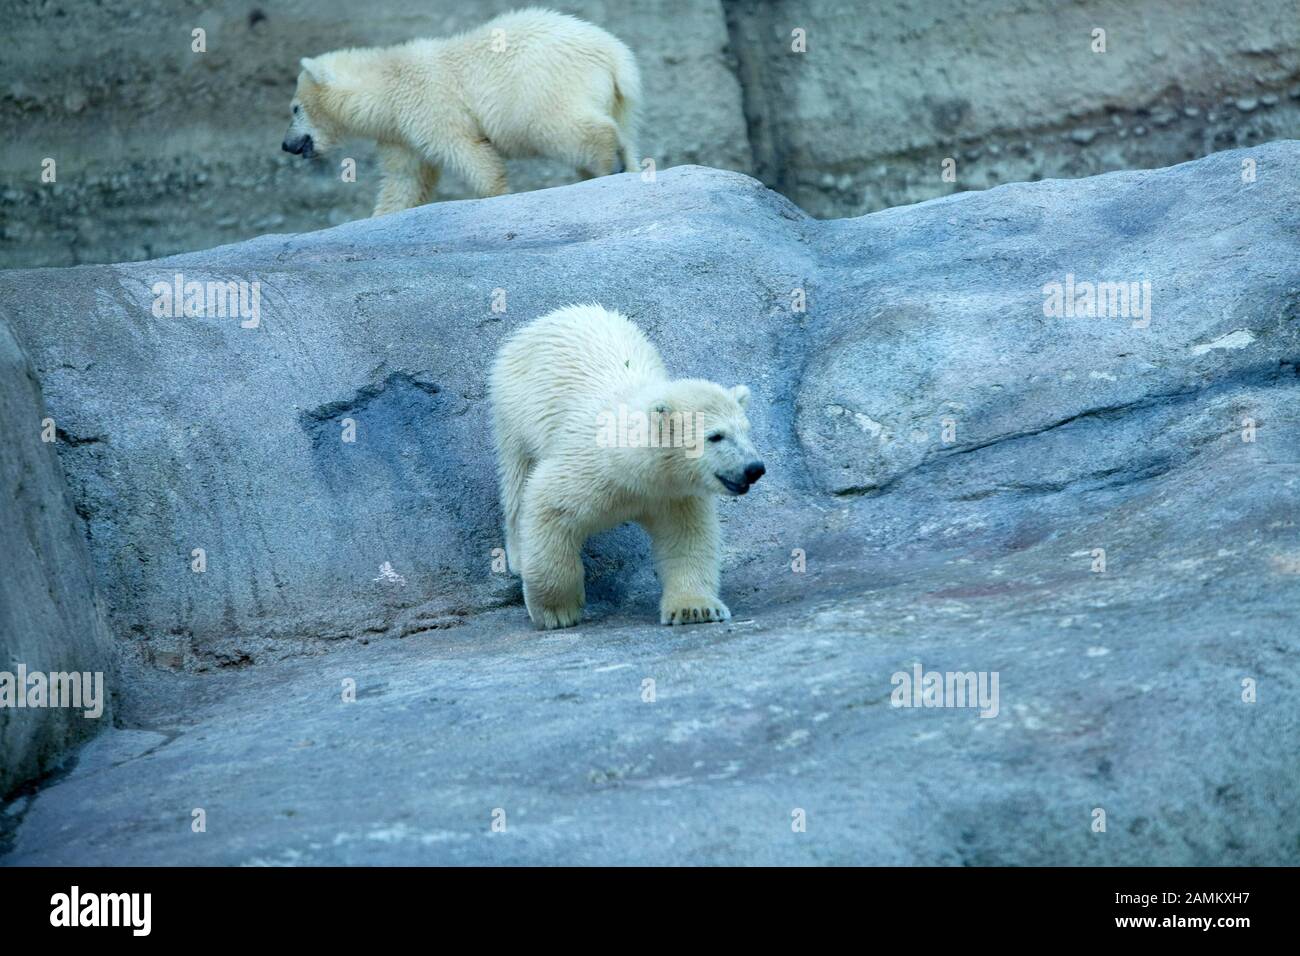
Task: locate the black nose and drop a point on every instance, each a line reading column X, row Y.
column 299, row 145
column 754, row 471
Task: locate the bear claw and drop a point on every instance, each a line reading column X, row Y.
column 692, row 612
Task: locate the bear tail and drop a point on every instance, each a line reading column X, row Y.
column 627, row 102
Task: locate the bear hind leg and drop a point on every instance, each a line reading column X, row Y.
column 481, row 166
column 598, row 149
column 515, row 467
column 627, row 153
column 429, row 176
column 551, row 550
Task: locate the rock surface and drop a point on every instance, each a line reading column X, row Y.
column 51, row 621
column 149, row 162
column 886, row 93
column 951, row 462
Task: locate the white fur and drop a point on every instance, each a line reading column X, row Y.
column 553, row 384
column 527, row 83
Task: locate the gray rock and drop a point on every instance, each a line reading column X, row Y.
column 50, row 618
column 950, row 462
column 906, row 80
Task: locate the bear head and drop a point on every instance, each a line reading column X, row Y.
column 313, row 125
column 708, row 450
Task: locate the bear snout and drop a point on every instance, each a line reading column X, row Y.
column 298, row 145
column 754, row 471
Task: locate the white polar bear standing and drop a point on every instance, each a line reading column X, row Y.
column 590, row 433
column 529, row 83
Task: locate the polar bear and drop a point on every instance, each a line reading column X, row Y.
column 591, row 432
column 528, row 83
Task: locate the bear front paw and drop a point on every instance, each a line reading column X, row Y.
column 549, row 618
column 692, row 610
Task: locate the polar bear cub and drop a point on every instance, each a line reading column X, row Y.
column 591, row 432
column 529, row 83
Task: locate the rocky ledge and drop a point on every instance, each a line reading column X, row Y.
column 1044, row 435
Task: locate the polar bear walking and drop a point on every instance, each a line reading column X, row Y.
column 529, row 83
column 590, row 433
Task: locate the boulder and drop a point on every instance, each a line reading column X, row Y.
column 52, row 624
column 1094, row 506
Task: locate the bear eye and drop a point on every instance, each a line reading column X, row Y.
column 295, row 110
column 716, row 436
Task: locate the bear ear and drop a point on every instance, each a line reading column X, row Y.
column 741, row 394
column 319, row 72
column 661, row 419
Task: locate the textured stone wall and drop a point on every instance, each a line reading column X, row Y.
column 160, row 149
column 947, row 456
column 1010, row 91
column 51, row 620
column 200, row 432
